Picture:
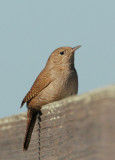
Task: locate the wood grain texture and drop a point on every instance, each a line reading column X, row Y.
column 76, row 128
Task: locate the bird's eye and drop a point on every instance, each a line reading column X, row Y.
column 62, row 52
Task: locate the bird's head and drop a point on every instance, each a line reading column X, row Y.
column 62, row 56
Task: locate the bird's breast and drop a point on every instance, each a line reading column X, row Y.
column 65, row 84
column 69, row 85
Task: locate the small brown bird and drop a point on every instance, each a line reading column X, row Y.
column 56, row 81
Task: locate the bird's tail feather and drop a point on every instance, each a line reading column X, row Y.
column 31, row 119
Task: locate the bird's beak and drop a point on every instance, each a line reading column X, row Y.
column 75, row 48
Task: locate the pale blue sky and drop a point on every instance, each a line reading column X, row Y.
column 31, row 30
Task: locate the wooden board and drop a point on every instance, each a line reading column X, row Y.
column 76, row 128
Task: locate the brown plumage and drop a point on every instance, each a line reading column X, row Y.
column 31, row 119
column 56, row 81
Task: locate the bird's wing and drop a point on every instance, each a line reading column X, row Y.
column 42, row 81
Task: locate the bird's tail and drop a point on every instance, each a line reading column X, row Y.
column 31, row 119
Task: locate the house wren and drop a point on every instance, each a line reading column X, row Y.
column 56, row 81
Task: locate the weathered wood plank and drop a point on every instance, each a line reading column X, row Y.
column 76, row 128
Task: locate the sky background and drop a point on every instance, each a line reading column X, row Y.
column 31, row 29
